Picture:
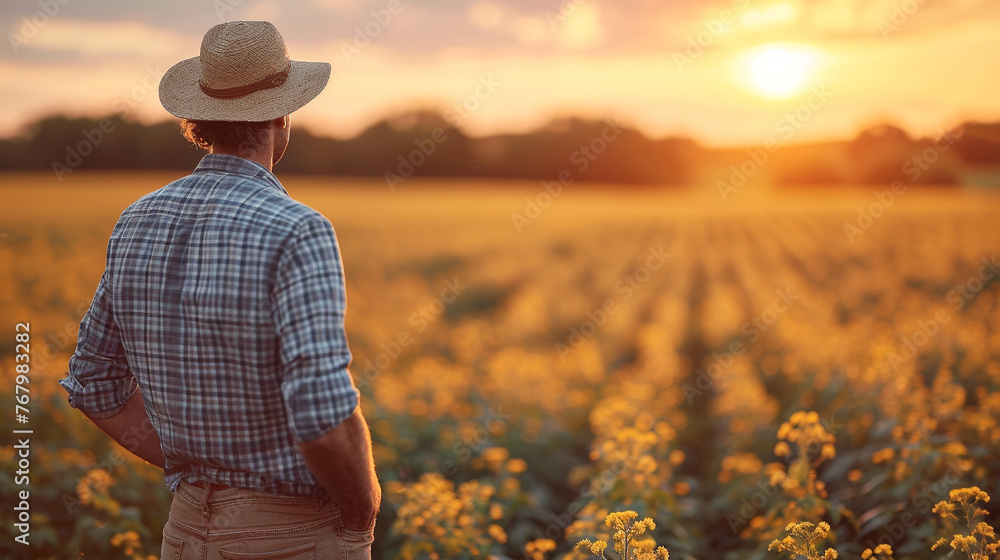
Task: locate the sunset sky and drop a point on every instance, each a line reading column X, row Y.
column 724, row 72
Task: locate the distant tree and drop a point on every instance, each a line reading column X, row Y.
column 980, row 144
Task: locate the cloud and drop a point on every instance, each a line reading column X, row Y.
column 530, row 30
column 487, row 15
column 779, row 13
column 571, row 25
column 92, row 39
column 98, row 89
column 582, row 28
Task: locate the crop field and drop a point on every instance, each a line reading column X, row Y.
column 531, row 363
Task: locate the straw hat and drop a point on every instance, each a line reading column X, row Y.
column 243, row 74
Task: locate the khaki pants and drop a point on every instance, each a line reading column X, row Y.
column 222, row 523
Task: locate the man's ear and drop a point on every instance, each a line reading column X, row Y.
column 281, row 122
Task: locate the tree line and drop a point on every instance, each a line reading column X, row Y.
column 425, row 144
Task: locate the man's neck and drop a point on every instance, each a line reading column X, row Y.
column 259, row 156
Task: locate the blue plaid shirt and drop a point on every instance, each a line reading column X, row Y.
column 223, row 300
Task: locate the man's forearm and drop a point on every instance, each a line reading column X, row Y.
column 132, row 430
column 342, row 461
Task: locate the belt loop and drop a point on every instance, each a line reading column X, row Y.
column 204, row 500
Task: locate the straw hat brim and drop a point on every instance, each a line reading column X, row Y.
column 181, row 96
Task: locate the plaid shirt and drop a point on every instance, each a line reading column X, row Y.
column 223, row 300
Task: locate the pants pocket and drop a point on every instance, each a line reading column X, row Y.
column 265, row 550
column 172, row 549
column 357, row 545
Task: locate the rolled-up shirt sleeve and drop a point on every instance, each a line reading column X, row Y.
column 309, row 307
column 99, row 380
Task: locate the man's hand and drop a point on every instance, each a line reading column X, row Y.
column 341, row 460
column 131, row 428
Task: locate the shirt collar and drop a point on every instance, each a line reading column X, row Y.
column 224, row 163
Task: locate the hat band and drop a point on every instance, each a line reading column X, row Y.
column 272, row 81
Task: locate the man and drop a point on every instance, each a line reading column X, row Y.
column 219, row 322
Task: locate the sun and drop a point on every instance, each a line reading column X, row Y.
column 780, row 71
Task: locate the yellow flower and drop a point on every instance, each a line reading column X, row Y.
column 802, row 540
column 985, row 530
column 626, row 534
column 128, row 541
column 96, row 480
column 784, row 430
column 619, row 520
column 943, row 508
column 595, row 547
column 961, row 508
column 496, row 453
column 828, row 451
column 963, row 542
column 497, row 533
column 517, row 466
column 540, row 545
column 676, row 457
column 883, row 549
column 646, row 465
column 968, row 495
column 805, row 431
column 881, row 552
column 883, row 455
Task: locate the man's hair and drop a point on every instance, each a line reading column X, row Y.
column 238, row 135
